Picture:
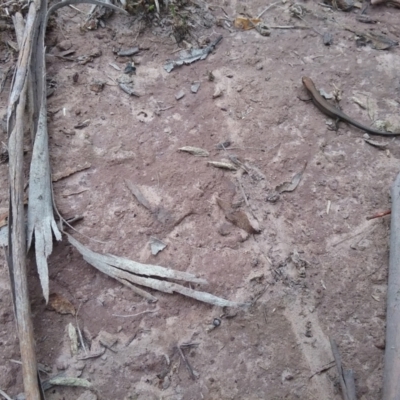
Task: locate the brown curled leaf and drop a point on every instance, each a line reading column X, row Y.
column 60, row 304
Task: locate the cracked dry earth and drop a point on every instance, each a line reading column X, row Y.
column 318, row 269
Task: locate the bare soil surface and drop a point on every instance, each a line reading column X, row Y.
column 317, row 269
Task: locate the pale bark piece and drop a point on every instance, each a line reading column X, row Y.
column 196, row 151
column 76, row 382
column 117, row 268
column 391, row 381
column 156, row 245
column 16, row 255
column 223, row 165
column 192, row 56
column 41, row 222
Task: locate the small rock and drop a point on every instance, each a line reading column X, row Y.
column 96, row 86
column 286, row 376
column 217, row 92
column 273, row 197
column 225, row 229
column 195, row 87
column 380, row 344
column 204, row 41
column 166, row 383
column 180, row 95
column 80, row 365
column 62, row 363
column 327, row 39
column 64, row 45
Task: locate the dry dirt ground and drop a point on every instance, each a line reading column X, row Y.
column 318, row 269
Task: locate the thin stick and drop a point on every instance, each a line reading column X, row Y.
column 135, row 315
column 323, row 369
column 266, row 9
column 379, row 215
column 346, row 377
column 79, row 331
column 244, row 194
column 185, row 360
column 4, row 394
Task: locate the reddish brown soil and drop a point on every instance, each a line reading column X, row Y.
column 311, row 274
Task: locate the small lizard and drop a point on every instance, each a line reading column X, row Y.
column 335, row 113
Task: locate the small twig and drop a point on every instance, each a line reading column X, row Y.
column 165, row 108
column 4, row 394
column 346, row 377
column 323, row 369
column 266, row 9
column 140, row 27
column 92, row 355
column 79, row 331
column 131, row 339
column 108, row 347
column 288, row 27
column 244, row 194
column 135, row 315
column 76, row 9
column 185, row 360
column 379, row 215
column 7, row 3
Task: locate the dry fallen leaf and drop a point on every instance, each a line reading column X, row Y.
column 290, row 186
column 246, row 23
column 238, row 218
column 60, row 304
column 138, row 194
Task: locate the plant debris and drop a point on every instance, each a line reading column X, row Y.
column 223, row 165
column 196, row 151
column 70, row 171
column 138, row 194
column 156, row 245
column 188, row 57
column 292, row 185
column 60, row 304
column 131, row 273
column 238, row 218
column 245, row 23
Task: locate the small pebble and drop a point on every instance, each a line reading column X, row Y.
column 180, row 95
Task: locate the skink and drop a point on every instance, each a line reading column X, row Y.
column 335, row 113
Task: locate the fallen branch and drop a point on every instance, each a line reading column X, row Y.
column 391, row 381
column 16, row 256
column 132, row 273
